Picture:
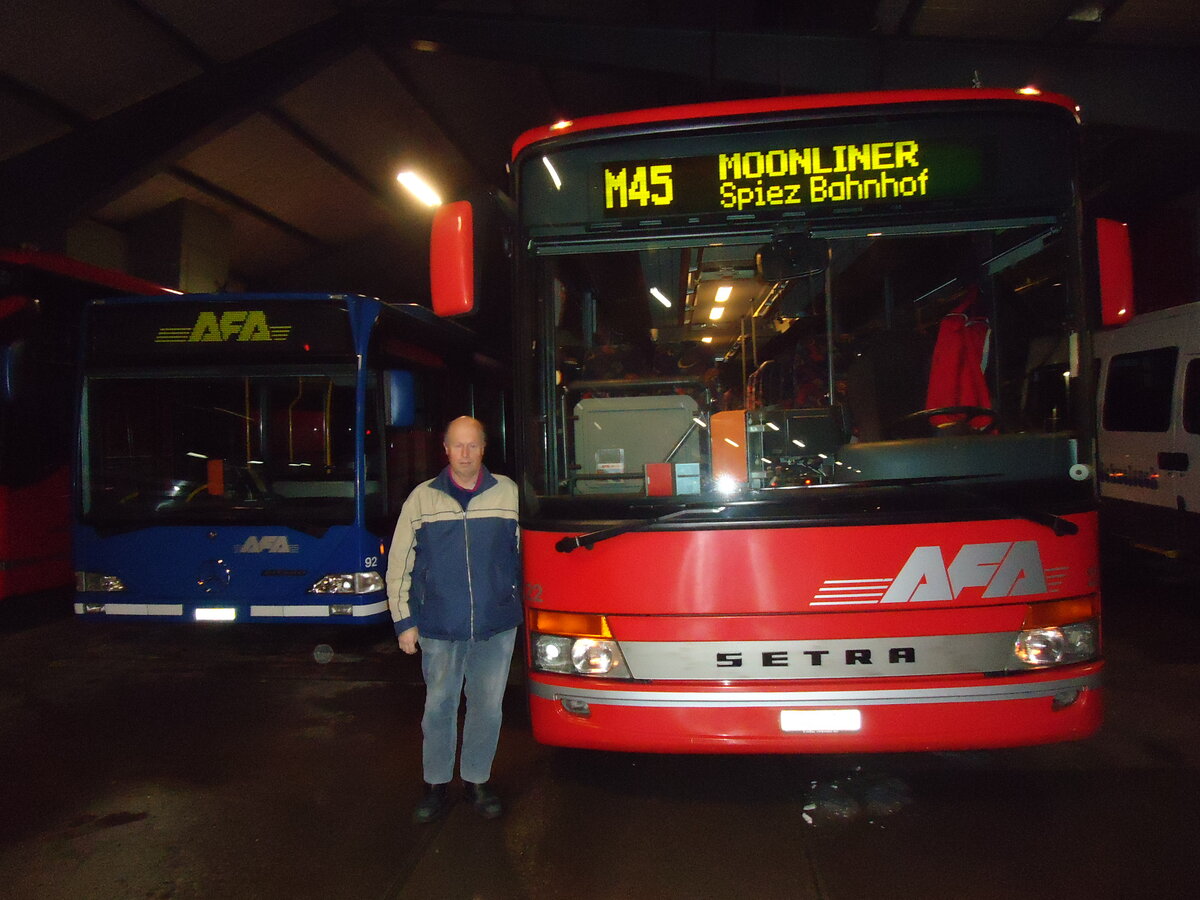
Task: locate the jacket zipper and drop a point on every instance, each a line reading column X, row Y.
column 470, row 585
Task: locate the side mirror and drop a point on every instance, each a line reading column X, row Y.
column 1115, row 266
column 469, row 252
column 452, row 259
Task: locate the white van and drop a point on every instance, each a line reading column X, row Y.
column 1149, row 431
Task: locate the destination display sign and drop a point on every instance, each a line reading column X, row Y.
column 795, row 177
column 261, row 330
column 978, row 163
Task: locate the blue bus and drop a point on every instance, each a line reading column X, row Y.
column 244, row 457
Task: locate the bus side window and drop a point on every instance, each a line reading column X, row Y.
column 414, row 444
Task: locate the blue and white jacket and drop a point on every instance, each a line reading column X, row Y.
column 455, row 573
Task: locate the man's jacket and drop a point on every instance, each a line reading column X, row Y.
column 455, row 574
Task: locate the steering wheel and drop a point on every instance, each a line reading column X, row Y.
column 962, row 426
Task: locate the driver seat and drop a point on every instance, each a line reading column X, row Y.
column 887, row 381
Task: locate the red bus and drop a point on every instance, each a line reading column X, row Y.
column 806, row 424
column 42, row 296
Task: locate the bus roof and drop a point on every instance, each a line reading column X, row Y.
column 780, row 104
column 237, row 297
column 415, row 312
column 68, row 267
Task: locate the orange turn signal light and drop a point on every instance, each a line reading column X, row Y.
column 573, row 624
column 1062, row 612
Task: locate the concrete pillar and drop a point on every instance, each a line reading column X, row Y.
column 183, row 245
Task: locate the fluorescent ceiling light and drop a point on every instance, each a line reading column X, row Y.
column 723, row 293
column 419, row 188
column 660, row 297
column 706, row 340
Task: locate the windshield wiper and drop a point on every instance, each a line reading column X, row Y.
column 1055, row 523
column 587, row 541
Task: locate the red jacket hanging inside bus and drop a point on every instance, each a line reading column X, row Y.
column 960, row 357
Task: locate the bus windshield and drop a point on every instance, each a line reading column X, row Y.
column 812, row 360
column 220, row 448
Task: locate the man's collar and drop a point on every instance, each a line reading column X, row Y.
column 445, row 481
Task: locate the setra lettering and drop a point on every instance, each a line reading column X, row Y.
column 782, row 659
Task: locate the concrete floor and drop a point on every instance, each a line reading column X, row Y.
column 146, row 761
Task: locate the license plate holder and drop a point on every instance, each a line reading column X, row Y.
column 820, row 721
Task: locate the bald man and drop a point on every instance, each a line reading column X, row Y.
column 453, row 585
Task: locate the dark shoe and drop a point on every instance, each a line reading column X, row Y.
column 483, row 799
column 433, row 805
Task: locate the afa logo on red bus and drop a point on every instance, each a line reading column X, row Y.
column 1001, row 569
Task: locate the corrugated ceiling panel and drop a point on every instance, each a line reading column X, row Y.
column 228, row 29
column 1029, row 20
column 94, row 56
column 488, row 101
column 269, row 168
column 1165, row 22
column 359, row 110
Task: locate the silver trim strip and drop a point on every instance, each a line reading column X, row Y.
column 137, row 609
column 176, row 609
column 775, row 660
column 317, row 610
column 782, row 699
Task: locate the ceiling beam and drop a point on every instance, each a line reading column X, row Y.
column 1140, row 87
column 48, row 187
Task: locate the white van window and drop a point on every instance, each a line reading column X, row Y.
column 1139, row 390
column 1191, row 398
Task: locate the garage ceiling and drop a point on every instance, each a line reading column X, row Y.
column 290, row 118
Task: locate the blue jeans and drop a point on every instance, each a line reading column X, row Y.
column 449, row 666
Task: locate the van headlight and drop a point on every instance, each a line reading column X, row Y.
column 349, row 583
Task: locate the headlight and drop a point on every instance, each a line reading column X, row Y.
column 350, row 583
column 1057, row 645
column 95, row 582
column 578, row 656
